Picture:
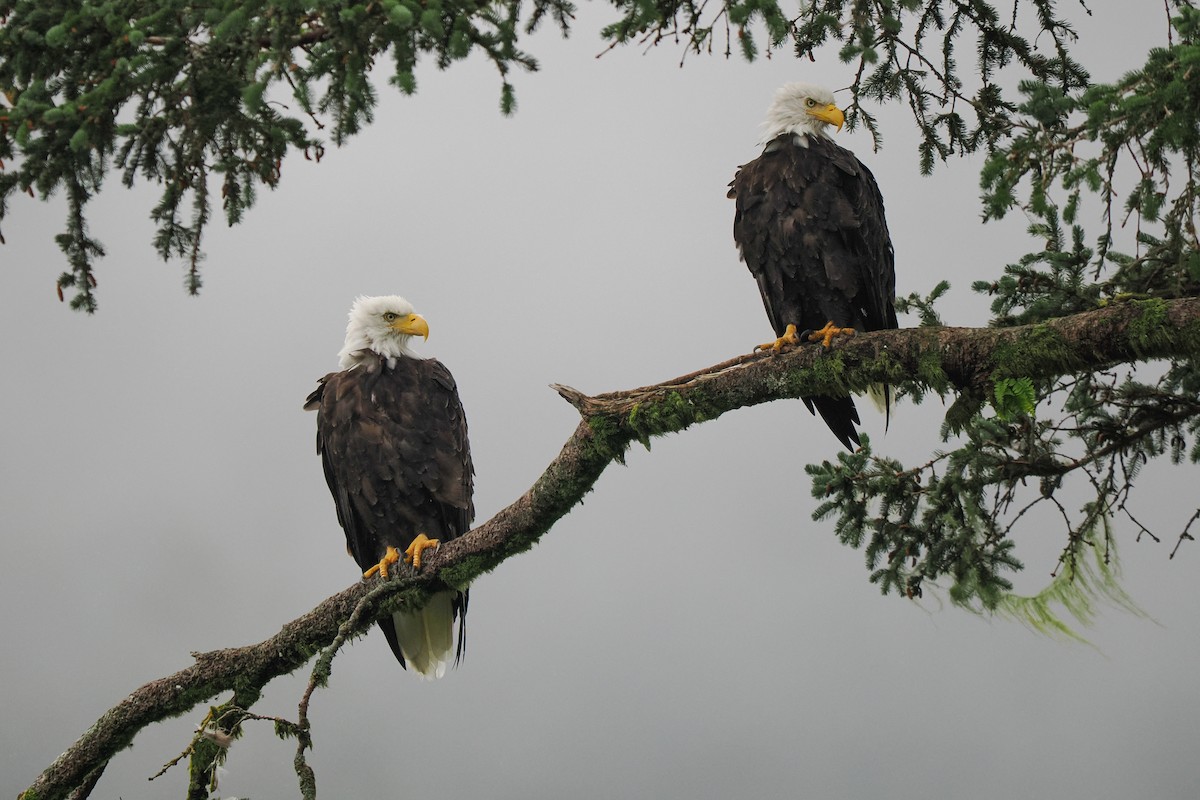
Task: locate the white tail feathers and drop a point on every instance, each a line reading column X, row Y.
column 426, row 637
column 884, row 397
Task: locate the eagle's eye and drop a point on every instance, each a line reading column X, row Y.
column 808, row 101
column 390, row 316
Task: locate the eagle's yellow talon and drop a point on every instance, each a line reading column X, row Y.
column 789, row 339
column 419, row 545
column 826, row 334
column 390, row 557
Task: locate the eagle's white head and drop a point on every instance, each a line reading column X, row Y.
column 382, row 324
column 803, row 110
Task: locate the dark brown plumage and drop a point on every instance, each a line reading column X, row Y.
column 393, row 443
column 809, row 224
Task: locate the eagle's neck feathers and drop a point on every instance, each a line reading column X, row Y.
column 357, row 348
column 771, row 137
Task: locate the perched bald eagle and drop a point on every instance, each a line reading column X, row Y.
column 809, row 224
column 393, row 441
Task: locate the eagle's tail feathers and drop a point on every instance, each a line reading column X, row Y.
column 426, row 637
column 883, row 395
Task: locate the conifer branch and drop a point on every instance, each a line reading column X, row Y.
column 939, row 359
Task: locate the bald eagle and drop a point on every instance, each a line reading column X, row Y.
column 393, row 441
column 809, row 225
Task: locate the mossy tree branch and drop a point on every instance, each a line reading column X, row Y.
column 938, row 359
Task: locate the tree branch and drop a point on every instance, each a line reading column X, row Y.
column 939, row 359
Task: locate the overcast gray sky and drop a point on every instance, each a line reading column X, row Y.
column 688, row 631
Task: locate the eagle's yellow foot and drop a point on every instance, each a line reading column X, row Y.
column 419, row 545
column 789, row 339
column 392, row 556
column 826, row 334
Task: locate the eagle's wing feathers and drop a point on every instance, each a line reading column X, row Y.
column 396, row 456
column 809, row 224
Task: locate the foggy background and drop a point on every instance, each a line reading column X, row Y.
column 688, row 631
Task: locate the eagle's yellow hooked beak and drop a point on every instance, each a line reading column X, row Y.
column 830, row 114
column 412, row 325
